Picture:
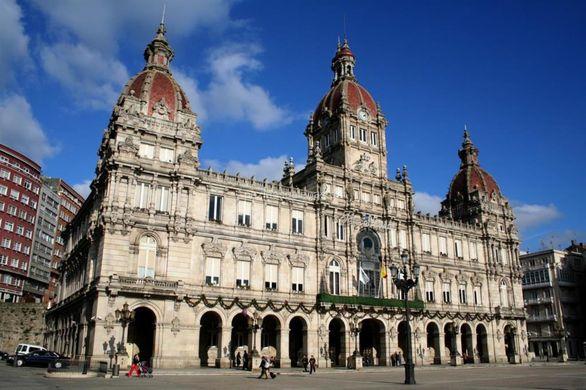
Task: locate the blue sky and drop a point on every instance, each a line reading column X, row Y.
column 513, row 71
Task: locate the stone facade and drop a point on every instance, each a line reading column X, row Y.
column 21, row 323
column 214, row 264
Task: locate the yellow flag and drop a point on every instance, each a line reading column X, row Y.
column 383, row 271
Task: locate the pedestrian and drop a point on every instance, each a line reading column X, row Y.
column 311, row 365
column 238, row 359
column 304, row 362
column 271, row 365
column 245, row 360
column 263, row 368
column 393, row 359
column 134, row 367
column 400, row 358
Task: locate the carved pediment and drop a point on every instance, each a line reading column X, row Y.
column 188, row 158
column 298, row 259
column 128, row 145
column 364, row 165
column 272, row 256
column 214, row 249
column 244, row 253
column 446, row 276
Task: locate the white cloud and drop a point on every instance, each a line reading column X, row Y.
column 13, row 41
column 94, row 80
column 230, row 96
column 561, row 239
column 533, row 215
column 21, row 131
column 427, row 203
column 83, row 188
column 268, row 167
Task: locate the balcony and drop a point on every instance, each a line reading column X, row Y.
column 541, row 318
column 144, row 286
column 538, row 301
column 366, row 301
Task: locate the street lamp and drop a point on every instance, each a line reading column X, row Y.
column 405, row 278
column 253, row 327
column 355, row 329
column 124, row 316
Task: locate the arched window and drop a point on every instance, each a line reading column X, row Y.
column 334, row 269
column 147, row 255
column 369, row 263
column 504, row 294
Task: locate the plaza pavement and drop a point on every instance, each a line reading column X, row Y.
column 538, row 376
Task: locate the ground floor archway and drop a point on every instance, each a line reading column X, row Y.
column 466, row 342
column 141, row 332
column 510, row 343
column 433, row 341
column 270, row 337
column 482, row 343
column 337, row 342
column 372, row 343
column 209, row 338
column 297, row 341
column 450, row 339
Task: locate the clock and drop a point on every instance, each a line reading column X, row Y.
column 363, row 115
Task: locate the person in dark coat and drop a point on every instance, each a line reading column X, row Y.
column 245, row 360
column 312, row 365
column 393, row 359
column 304, row 362
column 238, row 359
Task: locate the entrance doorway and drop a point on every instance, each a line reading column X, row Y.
column 510, row 343
column 337, row 342
column 141, row 332
column 297, row 341
column 433, row 341
column 371, row 344
column 482, row 343
column 466, row 340
column 209, row 338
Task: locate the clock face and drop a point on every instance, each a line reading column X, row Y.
column 363, row 115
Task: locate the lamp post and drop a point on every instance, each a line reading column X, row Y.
column 405, row 278
column 125, row 317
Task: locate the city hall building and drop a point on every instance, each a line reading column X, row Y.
column 213, row 264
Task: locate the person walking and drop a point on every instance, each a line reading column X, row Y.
column 238, row 359
column 263, row 368
column 245, row 360
column 304, row 363
column 134, row 367
column 311, row 365
column 393, row 359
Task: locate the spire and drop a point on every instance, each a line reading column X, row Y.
column 343, row 62
column 158, row 53
column 468, row 153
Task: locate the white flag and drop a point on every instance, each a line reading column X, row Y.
column 364, row 277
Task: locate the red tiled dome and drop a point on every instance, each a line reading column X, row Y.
column 472, row 178
column 153, row 86
column 356, row 96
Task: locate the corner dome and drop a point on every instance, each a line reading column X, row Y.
column 159, row 93
column 471, row 177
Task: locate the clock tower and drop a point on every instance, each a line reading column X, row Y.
column 347, row 128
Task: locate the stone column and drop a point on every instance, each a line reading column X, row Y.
column 383, row 355
column 223, row 360
column 196, row 358
column 284, row 360
column 475, row 350
column 456, row 359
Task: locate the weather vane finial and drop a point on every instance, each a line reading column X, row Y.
column 164, row 9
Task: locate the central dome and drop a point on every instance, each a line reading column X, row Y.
column 345, row 92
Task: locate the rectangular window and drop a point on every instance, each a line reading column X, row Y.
column 458, row 249
column 215, row 208
column 352, row 132
column 24, row 199
column 426, row 243
column 477, row 296
column 3, row 260
column 242, row 274
column 26, row 250
column 17, row 246
column 14, row 263
column 142, row 195
column 163, row 199
column 327, row 140
column 17, row 179
column 462, row 294
column 3, row 190
column 271, row 277
column 400, row 204
column 473, row 251
column 20, row 230
column 363, row 135
column 8, row 226
column 443, row 246
column 6, row 242
column 28, row 185
column 14, row 194
column 146, row 150
column 326, row 225
column 402, row 239
column 12, row 210
column 339, row 192
column 366, row 197
column 244, row 212
column 297, row 222
column 1, row 206
column 297, row 279
column 271, row 218
column 429, row 293
column 213, row 271
column 167, row 155
column 373, row 138
column 340, row 231
column 376, row 199
column 4, row 174
column 446, row 293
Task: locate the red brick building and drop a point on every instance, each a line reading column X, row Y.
column 20, row 185
column 69, row 203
